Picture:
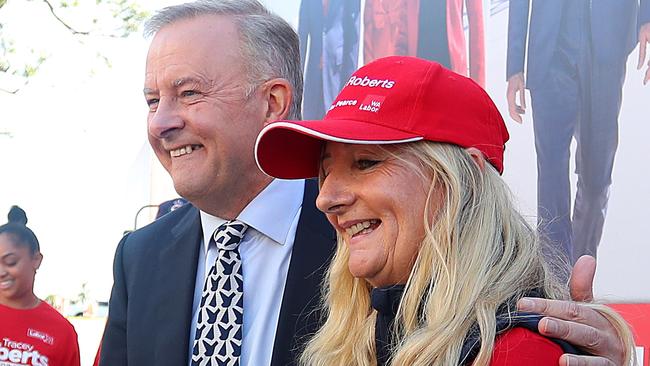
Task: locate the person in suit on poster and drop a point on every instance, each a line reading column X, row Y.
column 429, row 29
column 576, row 56
column 329, row 48
column 441, row 35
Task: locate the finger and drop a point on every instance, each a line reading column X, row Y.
column 647, row 75
column 582, row 279
column 564, row 310
column 575, row 360
column 578, row 334
column 601, row 342
column 515, row 116
column 512, row 106
column 520, row 110
column 642, row 45
column 522, row 97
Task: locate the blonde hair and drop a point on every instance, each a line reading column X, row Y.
column 478, row 257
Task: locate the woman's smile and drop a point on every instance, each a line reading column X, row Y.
column 368, row 195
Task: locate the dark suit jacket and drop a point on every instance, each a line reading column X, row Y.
column 150, row 308
column 312, row 23
column 614, row 33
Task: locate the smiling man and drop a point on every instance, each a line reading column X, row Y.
column 213, row 79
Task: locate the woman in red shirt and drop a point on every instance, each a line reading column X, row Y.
column 32, row 332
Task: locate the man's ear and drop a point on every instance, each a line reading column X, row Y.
column 278, row 94
column 477, row 156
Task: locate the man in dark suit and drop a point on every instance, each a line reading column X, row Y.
column 218, row 71
column 577, row 52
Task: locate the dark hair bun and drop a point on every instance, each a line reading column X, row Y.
column 17, row 215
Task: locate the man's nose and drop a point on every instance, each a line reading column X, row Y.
column 165, row 119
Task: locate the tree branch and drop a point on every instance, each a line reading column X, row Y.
column 15, row 91
column 9, row 91
column 74, row 31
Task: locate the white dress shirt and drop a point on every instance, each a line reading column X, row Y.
column 265, row 250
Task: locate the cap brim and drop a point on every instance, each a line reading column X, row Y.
column 292, row 149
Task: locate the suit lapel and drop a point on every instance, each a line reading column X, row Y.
column 312, row 250
column 174, row 288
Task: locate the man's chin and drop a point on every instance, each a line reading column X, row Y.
column 188, row 190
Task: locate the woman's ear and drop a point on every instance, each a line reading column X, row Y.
column 278, row 94
column 37, row 258
column 477, row 156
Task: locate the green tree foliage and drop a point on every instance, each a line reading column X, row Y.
column 81, row 19
column 82, row 297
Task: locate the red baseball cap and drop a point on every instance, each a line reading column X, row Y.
column 391, row 100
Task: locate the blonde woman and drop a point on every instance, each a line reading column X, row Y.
column 432, row 254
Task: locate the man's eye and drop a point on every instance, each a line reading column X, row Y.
column 152, row 102
column 189, row 93
column 366, row 163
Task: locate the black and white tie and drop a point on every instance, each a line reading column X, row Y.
column 218, row 335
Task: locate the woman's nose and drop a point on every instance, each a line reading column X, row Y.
column 335, row 196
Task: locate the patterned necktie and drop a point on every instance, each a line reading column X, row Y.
column 218, row 335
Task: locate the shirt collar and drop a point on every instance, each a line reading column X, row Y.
column 271, row 212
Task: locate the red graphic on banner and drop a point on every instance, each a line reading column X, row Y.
column 638, row 317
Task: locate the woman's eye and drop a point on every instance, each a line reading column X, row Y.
column 366, row 163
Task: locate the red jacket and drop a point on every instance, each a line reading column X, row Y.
column 385, row 29
column 520, row 346
column 457, row 44
column 391, row 28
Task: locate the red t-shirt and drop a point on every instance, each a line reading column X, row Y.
column 37, row 337
column 520, row 346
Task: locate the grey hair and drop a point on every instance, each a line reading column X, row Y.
column 268, row 43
